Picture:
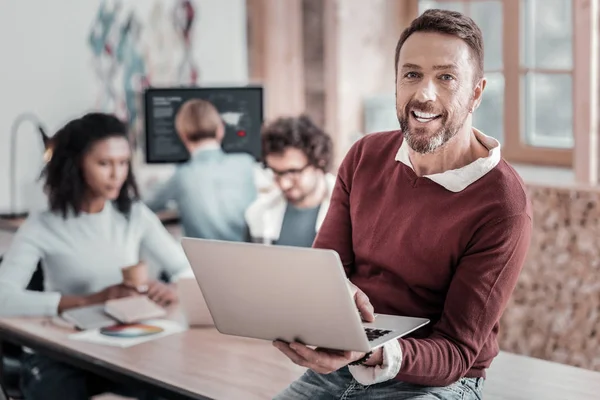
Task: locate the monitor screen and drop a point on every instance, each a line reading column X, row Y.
column 241, row 110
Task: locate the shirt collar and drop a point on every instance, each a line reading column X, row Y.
column 456, row 180
column 212, row 145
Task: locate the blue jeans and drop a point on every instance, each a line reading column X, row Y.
column 340, row 385
column 43, row 378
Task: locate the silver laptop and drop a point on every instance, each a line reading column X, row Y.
column 286, row 293
column 192, row 303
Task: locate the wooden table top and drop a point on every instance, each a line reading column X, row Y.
column 203, row 362
column 11, row 225
column 200, row 361
column 168, row 217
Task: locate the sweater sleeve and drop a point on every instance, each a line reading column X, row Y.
column 163, row 247
column 479, row 291
column 336, row 230
column 18, row 265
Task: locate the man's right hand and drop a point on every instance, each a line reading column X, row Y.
column 111, row 292
column 365, row 308
column 325, row 361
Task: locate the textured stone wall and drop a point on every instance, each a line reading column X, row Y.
column 554, row 313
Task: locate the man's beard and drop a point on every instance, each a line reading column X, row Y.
column 304, row 193
column 418, row 139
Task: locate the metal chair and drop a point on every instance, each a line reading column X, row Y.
column 10, row 354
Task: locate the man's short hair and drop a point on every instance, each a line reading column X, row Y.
column 449, row 23
column 300, row 133
column 197, row 120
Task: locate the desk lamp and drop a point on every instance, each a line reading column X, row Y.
column 13, row 214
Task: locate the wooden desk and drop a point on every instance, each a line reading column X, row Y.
column 203, row 364
column 10, row 225
column 195, row 364
column 168, row 217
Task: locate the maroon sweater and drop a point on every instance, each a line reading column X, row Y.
column 418, row 249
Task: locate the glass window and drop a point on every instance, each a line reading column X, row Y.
column 489, row 117
column 488, row 16
column 548, row 117
column 547, row 62
column 547, row 34
column 446, row 5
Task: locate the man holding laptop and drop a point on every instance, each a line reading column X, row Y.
column 428, row 222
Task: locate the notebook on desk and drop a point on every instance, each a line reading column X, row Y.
column 125, row 310
column 133, row 309
column 89, row 317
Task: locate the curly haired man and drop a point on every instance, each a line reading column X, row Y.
column 299, row 154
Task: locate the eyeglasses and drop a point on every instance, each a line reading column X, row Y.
column 292, row 174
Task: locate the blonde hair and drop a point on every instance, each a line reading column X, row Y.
column 197, row 120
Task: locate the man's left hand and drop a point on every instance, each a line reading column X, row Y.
column 322, row 361
column 161, row 293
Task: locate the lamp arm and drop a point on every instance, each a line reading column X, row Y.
column 13, row 151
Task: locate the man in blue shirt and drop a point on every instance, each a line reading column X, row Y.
column 213, row 189
column 299, row 154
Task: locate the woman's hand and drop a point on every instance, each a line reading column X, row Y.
column 109, row 293
column 161, row 293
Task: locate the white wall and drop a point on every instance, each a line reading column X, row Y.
column 363, row 36
column 47, row 69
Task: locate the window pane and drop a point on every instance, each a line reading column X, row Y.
column 548, row 118
column 489, row 117
column 547, row 34
column 445, row 5
column 488, row 16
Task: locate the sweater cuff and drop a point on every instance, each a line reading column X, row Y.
column 392, row 360
column 52, row 300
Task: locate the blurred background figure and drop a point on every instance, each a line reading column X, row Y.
column 93, row 227
column 213, row 189
column 299, row 154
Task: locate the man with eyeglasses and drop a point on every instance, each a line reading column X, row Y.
column 299, row 154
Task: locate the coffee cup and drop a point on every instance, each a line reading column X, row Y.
column 136, row 276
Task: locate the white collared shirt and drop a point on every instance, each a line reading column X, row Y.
column 209, row 145
column 456, row 180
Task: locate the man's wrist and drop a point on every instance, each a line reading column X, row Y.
column 375, row 359
column 362, row 360
column 384, row 365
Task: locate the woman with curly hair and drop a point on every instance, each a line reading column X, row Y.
column 94, row 226
column 299, row 154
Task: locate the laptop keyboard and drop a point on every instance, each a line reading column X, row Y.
column 374, row 334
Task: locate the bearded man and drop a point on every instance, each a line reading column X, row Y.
column 429, row 221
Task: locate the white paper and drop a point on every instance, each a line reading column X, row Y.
column 94, row 336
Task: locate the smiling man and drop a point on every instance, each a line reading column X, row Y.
column 429, row 221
